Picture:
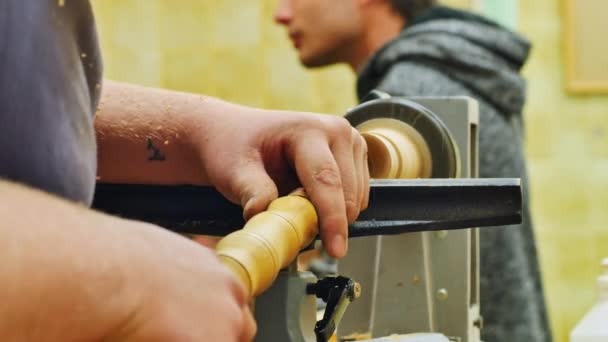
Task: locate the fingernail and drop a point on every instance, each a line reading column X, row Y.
column 338, row 245
column 247, row 209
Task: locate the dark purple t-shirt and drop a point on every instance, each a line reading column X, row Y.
column 50, row 81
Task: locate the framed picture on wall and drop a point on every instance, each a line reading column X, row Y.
column 586, row 46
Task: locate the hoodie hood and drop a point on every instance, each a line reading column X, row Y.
column 477, row 53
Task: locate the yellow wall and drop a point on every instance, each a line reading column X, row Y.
column 228, row 48
column 231, row 49
column 568, row 151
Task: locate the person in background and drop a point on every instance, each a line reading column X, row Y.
column 72, row 274
column 418, row 48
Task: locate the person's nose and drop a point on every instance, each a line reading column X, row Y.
column 283, row 14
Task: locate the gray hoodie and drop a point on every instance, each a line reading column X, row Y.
column 447, row 52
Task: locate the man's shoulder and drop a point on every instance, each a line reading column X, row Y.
column 413, row 78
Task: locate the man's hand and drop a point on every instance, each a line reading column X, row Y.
column 253, row 155
column 70, row 274
column 182, row 293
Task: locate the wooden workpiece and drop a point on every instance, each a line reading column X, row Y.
column 395, row 150
column 269, row 242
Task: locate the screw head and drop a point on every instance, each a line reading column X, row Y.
column 355, row 291
column 442, row 294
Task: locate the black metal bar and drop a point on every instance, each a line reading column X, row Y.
column 396, row 206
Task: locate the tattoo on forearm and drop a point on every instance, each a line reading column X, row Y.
column 156, row 154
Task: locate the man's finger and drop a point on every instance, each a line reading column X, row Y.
column 319, row 174
column 249, row 326
column 361, row 155
column 343, row 151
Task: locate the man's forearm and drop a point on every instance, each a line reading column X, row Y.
column 143, row 137
column 57, row 264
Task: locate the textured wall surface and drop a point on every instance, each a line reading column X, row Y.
column 233, row 50
column 567, row 144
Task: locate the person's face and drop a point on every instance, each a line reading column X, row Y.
column 323, row 31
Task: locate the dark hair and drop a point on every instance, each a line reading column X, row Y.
column 410, row 9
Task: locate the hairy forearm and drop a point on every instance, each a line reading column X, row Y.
column 143, row 134
column 58, row 270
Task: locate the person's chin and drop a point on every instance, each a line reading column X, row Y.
column 312, row 61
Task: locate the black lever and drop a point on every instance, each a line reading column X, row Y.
column 337, row 292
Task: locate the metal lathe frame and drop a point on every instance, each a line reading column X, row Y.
column 428, row 281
